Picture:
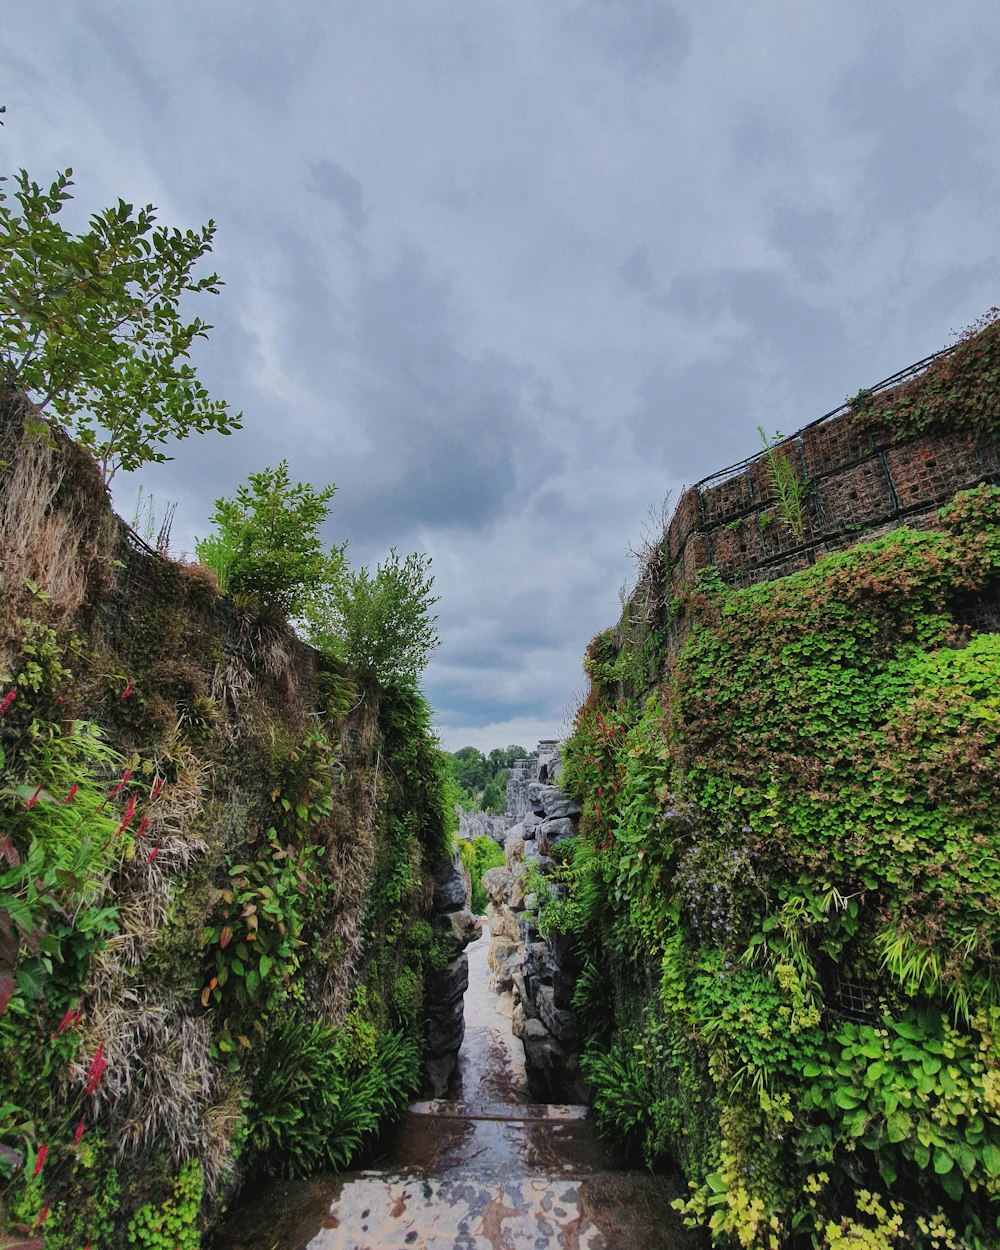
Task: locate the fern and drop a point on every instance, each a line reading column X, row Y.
column 314, row 1107
column 789, row 489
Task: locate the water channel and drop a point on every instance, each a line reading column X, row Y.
column 483, row 1169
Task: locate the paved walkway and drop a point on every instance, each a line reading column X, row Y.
column 487, row 1170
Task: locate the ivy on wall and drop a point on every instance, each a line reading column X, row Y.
column 786, row 884
column 958, row 393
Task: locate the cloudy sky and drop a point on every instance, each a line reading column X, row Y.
column 509, row 273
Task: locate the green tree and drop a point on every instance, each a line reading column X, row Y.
column 380, row 622
column 495, row 795
column 90, row 323
column 266, row 542
column 468, row 767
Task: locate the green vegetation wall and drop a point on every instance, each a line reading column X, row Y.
column 216, row 866
column 787, row 883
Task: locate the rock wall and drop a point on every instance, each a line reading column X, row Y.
column 444, row 989
column 472, row 825
column 542, row 764
column 276, row 876
column 538, row 971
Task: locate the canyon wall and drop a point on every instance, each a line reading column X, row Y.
column 223, row 911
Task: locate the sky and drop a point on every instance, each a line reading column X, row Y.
column 512, row 274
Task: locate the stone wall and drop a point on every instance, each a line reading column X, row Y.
column 860, row 480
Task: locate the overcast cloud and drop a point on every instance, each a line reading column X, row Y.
column 509, row 273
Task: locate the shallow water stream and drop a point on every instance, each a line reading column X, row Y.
column 484, row 1169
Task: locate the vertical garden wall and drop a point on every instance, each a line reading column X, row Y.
column 217, row 855
column 787, row 880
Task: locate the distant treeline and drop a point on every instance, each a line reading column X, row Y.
column 482, row 779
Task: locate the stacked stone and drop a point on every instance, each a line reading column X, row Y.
column 522, row 774
column 472, row 825
column 444, row 990
column 537, row 971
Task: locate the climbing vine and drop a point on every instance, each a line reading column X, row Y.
column 785, row 884
column 959, row 392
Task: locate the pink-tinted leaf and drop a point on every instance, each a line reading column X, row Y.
column 7, row 987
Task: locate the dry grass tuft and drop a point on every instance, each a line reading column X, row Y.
column 160, row 1082
column 59, row 544
column 352, row 862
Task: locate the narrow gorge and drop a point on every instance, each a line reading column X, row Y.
column 745, row 927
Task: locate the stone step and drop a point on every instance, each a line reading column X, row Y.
column 470, row 1210
column 524, row 1112
column 494, row 1138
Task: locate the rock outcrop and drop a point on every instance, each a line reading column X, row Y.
column 444, row 989
column 472, row 825
column 539, row 971
column 542, row 765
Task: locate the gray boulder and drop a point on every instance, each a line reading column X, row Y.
column 551, row 801
column 450, row 885
column 551, row 832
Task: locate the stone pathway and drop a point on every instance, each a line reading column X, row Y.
column 486, row 1170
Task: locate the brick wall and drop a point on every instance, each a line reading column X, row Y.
column 861, row 486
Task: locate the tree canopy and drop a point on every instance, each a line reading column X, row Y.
column 91, row 326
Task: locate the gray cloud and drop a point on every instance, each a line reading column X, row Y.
column 645, row 36
column 335, row 183
column 509, row 275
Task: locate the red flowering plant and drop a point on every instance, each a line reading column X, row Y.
column 70, row 814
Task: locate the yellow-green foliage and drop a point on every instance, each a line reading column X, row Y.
column 479, row 856
column 811, row 799
column 173, row 1224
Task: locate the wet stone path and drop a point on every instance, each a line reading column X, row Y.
column 486, row 1169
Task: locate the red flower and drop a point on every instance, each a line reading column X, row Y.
column 128, row 690
column 142, row 827
column 7, row 700
column 96, row 1070
column 79, row 1132
column 129, row 813
column 68, row 1020
column 40, row 1158
column 42, row 1216
column 115, row 790
column 72, row 793
column 34, row 798
column 152, row 854
column 154, row 794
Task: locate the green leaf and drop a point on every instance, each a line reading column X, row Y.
column 845, row 1098
column 951, row 1183
column 943, row 1161
column 898, row 1126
